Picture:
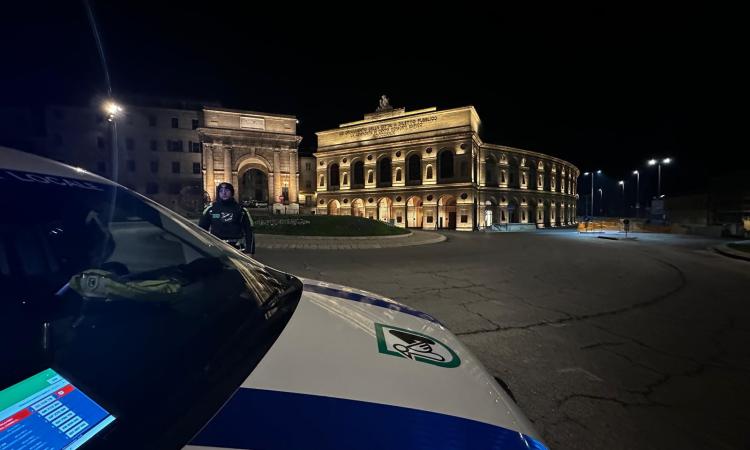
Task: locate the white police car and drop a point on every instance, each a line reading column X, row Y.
column 125, row 326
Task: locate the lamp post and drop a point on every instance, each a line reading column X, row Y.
column 658, row 163
column 601, row 201
column 598, row 172
column 637, row 195
column 622, row 183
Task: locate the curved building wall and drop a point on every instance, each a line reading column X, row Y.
column 430, row 170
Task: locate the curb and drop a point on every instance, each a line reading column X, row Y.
column 345, row 243
column 725, row 250
column 323, row 238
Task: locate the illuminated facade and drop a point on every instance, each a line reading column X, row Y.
column 429, row 169
column 256, row 152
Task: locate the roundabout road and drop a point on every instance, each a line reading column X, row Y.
column 605, row 344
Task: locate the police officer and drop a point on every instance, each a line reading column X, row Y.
column 228, row 220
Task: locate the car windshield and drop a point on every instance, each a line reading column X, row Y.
column 154, row 319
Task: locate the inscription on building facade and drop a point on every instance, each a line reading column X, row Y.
column 252, row 123
column 388, row 129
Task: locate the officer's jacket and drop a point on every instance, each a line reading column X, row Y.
column 227, row 220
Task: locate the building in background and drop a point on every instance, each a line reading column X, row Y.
column 307, row 194
column 159, row 149
column 430, row 169
column 256, row 152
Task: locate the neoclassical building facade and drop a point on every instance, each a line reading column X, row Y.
column 256, row 152
column 429, row 169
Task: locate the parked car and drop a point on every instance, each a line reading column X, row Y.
column 125, row 326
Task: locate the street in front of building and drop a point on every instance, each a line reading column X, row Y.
column 604, row 343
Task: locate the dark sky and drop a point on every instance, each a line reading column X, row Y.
column 600, row 88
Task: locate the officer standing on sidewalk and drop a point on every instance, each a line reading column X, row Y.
column 228, row 220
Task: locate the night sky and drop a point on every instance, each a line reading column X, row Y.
column 603, row 89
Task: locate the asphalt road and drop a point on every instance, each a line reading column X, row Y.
column 605, row 344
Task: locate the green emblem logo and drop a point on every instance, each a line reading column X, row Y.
column 408, row 344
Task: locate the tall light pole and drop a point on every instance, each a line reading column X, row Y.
column 637, row 195
column 658, row 163
column 601, row 201
column 592, row 189
column 624, row 208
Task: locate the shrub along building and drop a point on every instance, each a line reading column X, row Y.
column 430, row 169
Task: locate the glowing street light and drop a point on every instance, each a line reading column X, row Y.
column 585, row 174
column 112, row 109
column 658, row 163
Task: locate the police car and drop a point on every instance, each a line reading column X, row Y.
column 124, row 326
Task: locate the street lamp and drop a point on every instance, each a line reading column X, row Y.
column 112, row 109
column 637, row 195
column 598, row 172
column 601, row 201
column 658, row 163
column 622, row 183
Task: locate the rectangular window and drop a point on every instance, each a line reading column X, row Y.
column 174, row 146
column 99, row 142
column 152, row 188
column 131, row 165
column 195, row 147
column 152, row 121
column 154, row 166
column 429, row 219
column 175, row 122
column 307, row 167
column 175, row 167
column 196, row 167
column 464, row 218
column 153, row 145
column 129, row 143
column 195, row 124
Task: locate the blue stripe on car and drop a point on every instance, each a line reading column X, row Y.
column 261, row 419
column 333, row 292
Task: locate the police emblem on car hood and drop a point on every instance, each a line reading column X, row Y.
column 409, row 344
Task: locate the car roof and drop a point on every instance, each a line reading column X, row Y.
column 17, row 160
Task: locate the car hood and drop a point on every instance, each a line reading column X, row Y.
column 354, row 369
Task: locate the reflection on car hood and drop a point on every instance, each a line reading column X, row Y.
column 356, row 370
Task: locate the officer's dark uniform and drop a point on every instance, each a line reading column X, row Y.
column 229, row 221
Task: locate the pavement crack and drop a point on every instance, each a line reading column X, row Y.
column 576, row 318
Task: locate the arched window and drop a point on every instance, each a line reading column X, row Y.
column 429, row 172
column 398, row 174
column 322, row 180
column 369, row 177
column 358, row 178
column 333, row 177
column 384, row 172
column 445, row 164
column 346, row 179
column 414, row 169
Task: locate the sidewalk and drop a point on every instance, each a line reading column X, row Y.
column 278, row 241
column 726, row 250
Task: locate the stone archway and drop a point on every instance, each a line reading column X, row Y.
column 334, row 208
column 447, row 212
column 414, row 212
column 358, row 207
column 254, row 179
column 253, row 185
column 385, row 209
